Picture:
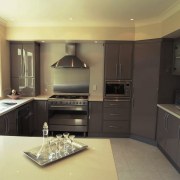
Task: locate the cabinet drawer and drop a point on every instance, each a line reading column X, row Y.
column 117, row 114
column 122, row 104
column 116, row 127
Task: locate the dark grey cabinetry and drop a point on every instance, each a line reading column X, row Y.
column 118, row 60
column 116, row 118
column 8, row 124
column 152, row 83
column 25, row 119
column 176, row 62
column 95, row 119
column 25, row 74
column 168, row 135
column 40, row 116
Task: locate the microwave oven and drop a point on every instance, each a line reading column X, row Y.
column 118, row 88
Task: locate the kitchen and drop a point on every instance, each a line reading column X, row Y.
column 93, row 53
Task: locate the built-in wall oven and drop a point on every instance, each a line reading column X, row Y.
column 118, row 89
column 68, row 113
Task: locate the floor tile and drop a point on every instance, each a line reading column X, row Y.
column 140, row 161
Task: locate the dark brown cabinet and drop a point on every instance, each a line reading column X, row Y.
column 168, row 135
column 95, row 119
column 152, row 83
column 118, row 60
column 116, row 118
column 8, row 124
column 25, row 74
column 40, row 116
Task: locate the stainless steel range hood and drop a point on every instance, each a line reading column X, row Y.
column 70, row 60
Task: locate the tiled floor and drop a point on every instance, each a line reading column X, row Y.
column 139, row 161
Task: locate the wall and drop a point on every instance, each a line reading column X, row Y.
column 90, row 53
column 4, row 63
column 70, row 33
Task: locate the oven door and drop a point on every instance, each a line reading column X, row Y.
column 68, row 118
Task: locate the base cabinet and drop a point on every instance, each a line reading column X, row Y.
column 25, row 119
column 116, row 118
column 168, row 135
column 9, row 124
column 95, row 119
column 40, row 116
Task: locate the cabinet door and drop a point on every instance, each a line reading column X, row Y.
column 178, row 159
column 176, row 64
column 29, row 60
column 162, row 128
column 12, row 126
column 145, row 88
column 172, row 137
column 3, row 125
column 95, row 119
column 25, row 118
column 111, row 61
column 40, row 116
column 125, row 61
column 16, row 55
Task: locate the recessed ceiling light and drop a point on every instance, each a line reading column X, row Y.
column 132, row 19
column 70, row 18
column 42, row 41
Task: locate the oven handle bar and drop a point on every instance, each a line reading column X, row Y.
column 79, row 108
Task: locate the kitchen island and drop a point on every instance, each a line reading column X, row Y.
column 96, row 162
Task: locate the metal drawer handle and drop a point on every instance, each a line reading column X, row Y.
column 115, row 114
column 114, row 127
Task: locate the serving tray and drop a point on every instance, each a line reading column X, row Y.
column 32, row 154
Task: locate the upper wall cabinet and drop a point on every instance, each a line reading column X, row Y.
column 176, row 64
column 118, row 60
column 25, row 73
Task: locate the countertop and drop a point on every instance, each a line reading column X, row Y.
column 4, row 108
column 171, row 108
column 95, row 163
column 5, row 104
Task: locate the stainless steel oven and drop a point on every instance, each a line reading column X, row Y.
column 118, row 88
column 68, row 113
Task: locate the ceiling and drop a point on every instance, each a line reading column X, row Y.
column 112, row 13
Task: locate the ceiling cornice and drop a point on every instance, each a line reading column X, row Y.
column 173, row 9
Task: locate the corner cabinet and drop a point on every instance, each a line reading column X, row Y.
column 118, row 60
column 25, row 64
column 40, row 116
column 168, row 135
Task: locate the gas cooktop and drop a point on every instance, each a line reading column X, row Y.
column 68, row 97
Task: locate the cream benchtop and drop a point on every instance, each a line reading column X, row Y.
column 7, row 108
column 170, row 108
column 95, row 163
column 23, row 100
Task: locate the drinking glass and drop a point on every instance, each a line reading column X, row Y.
column 66, row 144
column 60, row 143
column 71, row 137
